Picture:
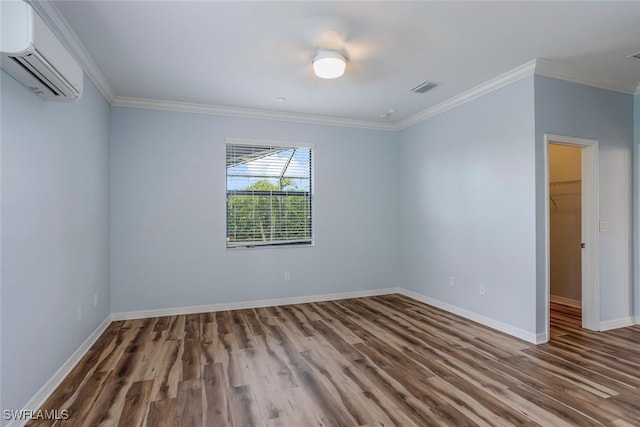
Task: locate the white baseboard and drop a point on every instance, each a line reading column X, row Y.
column 542, row 338
column 608, row 325
column 623, row 322
column 502, row 327
column 486, row 321
column 565, row 301
column 49, row 387
column 143, row 314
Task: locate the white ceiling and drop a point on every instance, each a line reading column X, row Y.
column 245, row 55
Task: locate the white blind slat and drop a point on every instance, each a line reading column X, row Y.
column 268, row 195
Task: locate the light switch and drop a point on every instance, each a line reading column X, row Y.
column 605, row 226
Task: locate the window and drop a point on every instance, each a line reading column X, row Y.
column 269, row 198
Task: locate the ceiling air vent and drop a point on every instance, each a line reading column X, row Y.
column 424, row 86
column 635, row 55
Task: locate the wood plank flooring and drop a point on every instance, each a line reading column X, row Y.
column 378, row 361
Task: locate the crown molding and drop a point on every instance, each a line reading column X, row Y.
column 52, row 16
column 54, row 19
column 489, row 86
column 187, row 107
column 59, row 25
column 562, row 72
column 538, row 67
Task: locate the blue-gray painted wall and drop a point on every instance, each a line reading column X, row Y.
column 571, row 109
column 168, row 210
column 468, row 206
column 55, row 232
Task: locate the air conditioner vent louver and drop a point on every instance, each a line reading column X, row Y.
column 424, row 86
column 45, row 83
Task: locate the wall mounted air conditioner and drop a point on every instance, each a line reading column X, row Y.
column 33, row 55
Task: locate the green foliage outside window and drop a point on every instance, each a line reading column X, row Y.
column 273, row 213
column 268, row 195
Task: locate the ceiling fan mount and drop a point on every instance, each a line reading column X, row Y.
column 330, row 59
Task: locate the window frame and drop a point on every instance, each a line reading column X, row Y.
column 282, row 243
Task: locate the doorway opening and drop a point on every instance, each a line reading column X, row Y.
column 565, row 236
column 572, row 287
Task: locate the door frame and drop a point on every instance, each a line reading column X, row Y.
column 590, row 228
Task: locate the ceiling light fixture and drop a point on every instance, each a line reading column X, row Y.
column 329, row 64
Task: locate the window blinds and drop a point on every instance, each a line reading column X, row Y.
column 268, row 195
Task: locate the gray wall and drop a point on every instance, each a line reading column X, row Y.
column 55, row 232
column 168, row 213
column 571, row 109
column 468, row 206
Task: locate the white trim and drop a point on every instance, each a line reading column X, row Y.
column 50, row 13
column 547, row 243
column 268, row 143
column 622, row 322
column 566, row 301
column 489, row 86
column 486, row 321
column 562, row 72
column 143, row 314
column 219, row 110
column 50, row 386
column 590, row 231
column 536, row 66
column 542, row 338
column 483, row 320
column 58, row 24
column 636, row 227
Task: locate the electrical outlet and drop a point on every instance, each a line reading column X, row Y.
column 287, row 276
column 481, row 290
column 452, row 282
column 79, row 312
column 95, row 300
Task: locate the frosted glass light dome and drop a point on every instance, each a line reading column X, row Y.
column 329, row 64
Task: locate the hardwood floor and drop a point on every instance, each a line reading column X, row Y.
column 378, row 361
column 564, row 319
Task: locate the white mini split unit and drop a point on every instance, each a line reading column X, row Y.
column 34, row 56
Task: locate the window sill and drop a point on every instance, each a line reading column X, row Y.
column 282, row 246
